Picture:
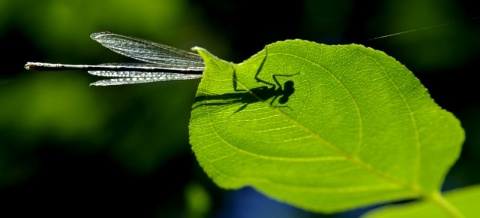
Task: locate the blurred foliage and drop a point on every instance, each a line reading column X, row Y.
column 126, row 148
column 198, row 200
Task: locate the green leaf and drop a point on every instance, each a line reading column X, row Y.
column 357, row 128
column 465, row 199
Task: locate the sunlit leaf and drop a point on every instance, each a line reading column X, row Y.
column 356, row 128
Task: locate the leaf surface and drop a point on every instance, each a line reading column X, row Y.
column 357, row 128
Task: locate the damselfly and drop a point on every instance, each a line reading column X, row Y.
column 164, row 63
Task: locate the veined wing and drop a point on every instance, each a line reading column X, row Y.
column 156, row 77
column 135, row 70
column 134, row 73
column 166, row 57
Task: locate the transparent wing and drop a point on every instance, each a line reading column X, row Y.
column 135, row 77
column 127, row 69
column 169, row 58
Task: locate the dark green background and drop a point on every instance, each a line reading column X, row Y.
column 67, row 149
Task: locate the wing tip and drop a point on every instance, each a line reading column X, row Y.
column 95, row 36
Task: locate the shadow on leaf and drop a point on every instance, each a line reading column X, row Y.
column 249, row 96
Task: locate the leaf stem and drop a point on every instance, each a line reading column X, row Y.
column 438, row 199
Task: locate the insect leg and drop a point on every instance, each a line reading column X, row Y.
column 260, row 70
column 285, row 75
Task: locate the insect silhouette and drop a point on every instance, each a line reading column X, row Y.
column 165, row 63
column 269, row 90
column 248, row 96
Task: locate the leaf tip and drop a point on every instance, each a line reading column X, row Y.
column 204, row 53
column 196, row 48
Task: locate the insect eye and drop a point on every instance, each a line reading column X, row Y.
column 288, row 85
